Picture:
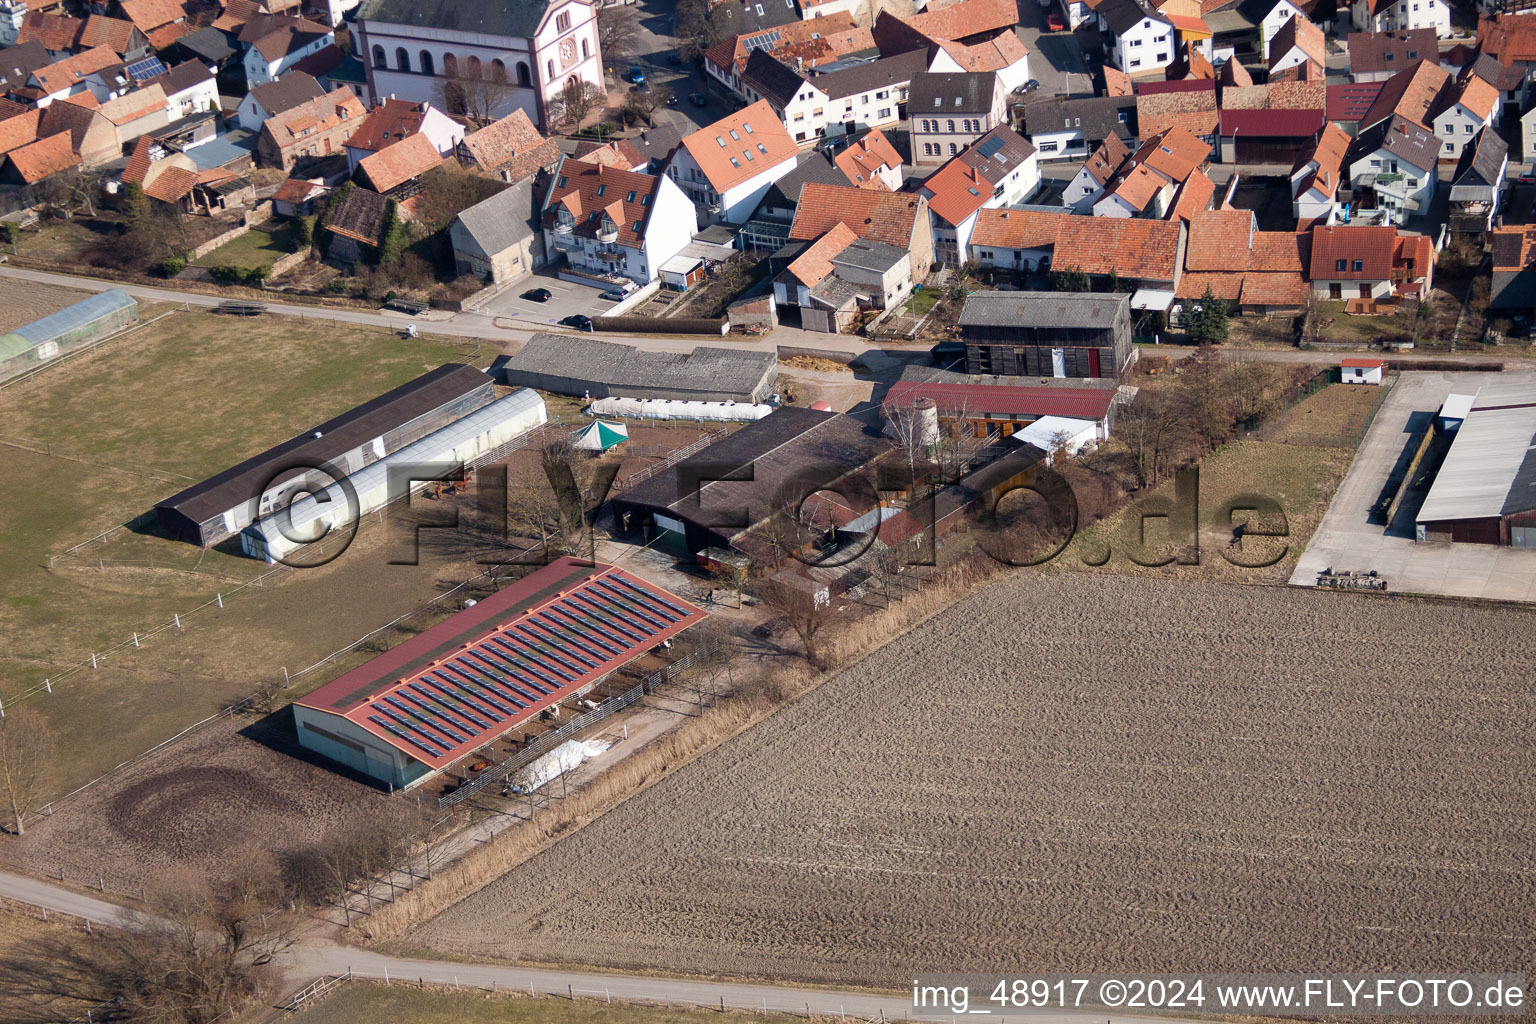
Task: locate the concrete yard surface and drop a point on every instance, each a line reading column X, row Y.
column 1349, row 539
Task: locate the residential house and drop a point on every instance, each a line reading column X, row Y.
column 1511, row 83
column 73, row 75
column 802, row 45
column 272, row 98
column 970, row 35
column 1513, row 255
column 1022, row 241
column 1001, row 169
column 191, row 87
column 535, row 47
column 1137, row 38
column 1073, row 128
column 870, row 161
column 1473, row 106
column 1317, row 178
column 947, row 112
column 61, row 35
column 727, row 167
column 510, row 148
column 312, row 129
column 864, row 95
column 833, row 277
column 1389, row 15
column 299, row 197
column 1088, row 184
column 1476, row 185
column 1392, row 170
column 1253, row 271
column 394, row 120
column 1377, row 56
column 17, row 65
column 799, row 105
column 500, row 240
column 163, row 22
column 275, row 43
column 1188, row 105
column 1192, row 33
column 1273, row 20
column 1510, row 41
column 900, row 219
column 134, row 113
column 395, row 171
column 768, row 227
column 1298, row 42
column 1145, row 183
column 967, row 21
column 613, row 225
column 1047, row 334
column 1369, row 262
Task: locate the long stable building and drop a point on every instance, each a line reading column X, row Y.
column 1485, row 491
column 228, row 502
column 449, row 691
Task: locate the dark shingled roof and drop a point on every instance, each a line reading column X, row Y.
column 864, row 77
column 245, row 481
column 1100, row 116
column 951, row 92
column 1403, row 139
column 1122, row 15
column 1480, row 166
column 287, row 92
column 623, row 367
column 516, row 18
column 359, row 216
column 814, row 166
column 1041, row 309
column 772, row 80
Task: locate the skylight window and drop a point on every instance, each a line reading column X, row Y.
column 631, row 197
column 748, row 154
column 735, row 163
column 721, row 141
column 746, row 127
column 562, row 181
column 602, row 188
column 734, row 136
column 762, row 149
column 957, row 102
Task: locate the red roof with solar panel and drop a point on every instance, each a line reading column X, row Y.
column 455, row 687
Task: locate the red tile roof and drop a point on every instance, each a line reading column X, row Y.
column 1372, row 246
column 1274, row 290
column 589, row 192
column 1193, row 110
column 320, row 114
column 70, row 71
column 1194, row 195
column 1271, row 124
column 296, row 190
column 1478, row 96
column 1508, row 40
column 815, row 262
column 965, row 18
column 400, row 162
column 1219, row 240
column 1414, row 93
column 20, row 130
column 1174, row 153
column 740, row 146
column 957, row 190
column 151, row 14
column 1129, row 247
column 512, row 146
column 1016, row 229
column 862, row 161
column 387, row 123
column 37, row 160
column 1365, row 364
column 889, row 217
column 1329, row 158
column 1298, row 33
column 1350, row 101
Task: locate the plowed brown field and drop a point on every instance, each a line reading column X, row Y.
column 1076, row 772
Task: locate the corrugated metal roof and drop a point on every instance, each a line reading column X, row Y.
column 1492, row 446
column 1065, row 309
column 72, row 318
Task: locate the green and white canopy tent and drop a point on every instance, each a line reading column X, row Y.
column 599, row 436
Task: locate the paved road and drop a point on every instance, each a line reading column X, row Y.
column 314, row 957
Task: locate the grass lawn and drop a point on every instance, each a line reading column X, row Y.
column 1300, row 479
column 399, row 1005
column 921, row 302
column 1348, row 327
column 185, row 398
column 256, row 248
column 1333, row 417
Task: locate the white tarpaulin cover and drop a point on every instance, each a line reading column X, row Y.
column 1151, row 298
column 670, row 409
column 557, row 762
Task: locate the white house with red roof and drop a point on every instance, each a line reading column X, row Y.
column 1393, row 15
column 394, row 120
column 613, row 225
column 999, row 169
column 726, row 168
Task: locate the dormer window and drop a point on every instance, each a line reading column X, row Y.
column 591, row 217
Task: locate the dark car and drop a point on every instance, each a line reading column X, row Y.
column 697, row 99
column 580, row 321
column 538, row 295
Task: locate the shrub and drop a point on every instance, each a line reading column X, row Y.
column 336, row 286
column 8, row 232
column 171, row 266
column 302, row 232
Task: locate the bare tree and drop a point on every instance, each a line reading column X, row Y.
column 26, row 753
column 642, row 105
column 618, row 32
column 476, row 91
column 731, row 576
column 1151, row 427
column 804, row 604
column 576, row 101
column 533, row 510
column 885, row 566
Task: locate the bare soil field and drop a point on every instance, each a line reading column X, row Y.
column 1333, row 417
column 21, row 302
column 217, row 798
column 1078, row 772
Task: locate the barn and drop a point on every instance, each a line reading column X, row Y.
column 1485, row 491
column 568, row 365
column 228, row 502
column 477, row 437
column 456, row 688
column 70, row 328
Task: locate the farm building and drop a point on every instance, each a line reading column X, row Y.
column 228, row 502
column 70, row 328
column 1047, row 334
column 717, row 495
column 474, row 438
column 454, row 689
column 570, row 365
column 984, row 409
column 1362, row 371
column 1485, row 491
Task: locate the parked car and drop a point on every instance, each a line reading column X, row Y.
column 580, row 321
column 538, row 295
column 612, row 295
column 635, row 74
column 697, row 99
column 1054, row 22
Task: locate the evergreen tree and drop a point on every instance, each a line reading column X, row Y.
column 1206, row 323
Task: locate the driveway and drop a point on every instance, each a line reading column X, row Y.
column 568, row 298
column 1348, row 539
column 1055, row 59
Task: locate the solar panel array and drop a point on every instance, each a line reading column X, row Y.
column 143, row 70
column 530, row 663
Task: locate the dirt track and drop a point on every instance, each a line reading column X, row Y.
column 1080, row 773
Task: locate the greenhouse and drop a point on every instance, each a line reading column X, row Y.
column 71, row 328
column 668, row 409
